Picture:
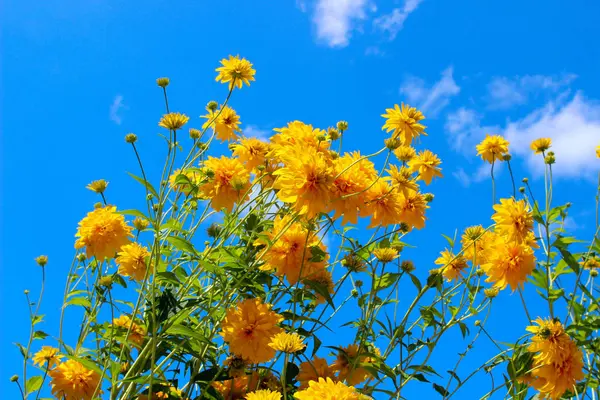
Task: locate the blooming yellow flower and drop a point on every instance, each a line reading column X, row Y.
column 591, row 263
column 225, row 122
column 236, row 71
column 287, row 342
column 402, row 179
column 137, row 333
column 548, row 340
column 327, row 389
column 264, row 394
column 492, row 148
column 98, row 186
column 426, row 164
column 47, row 357
column 477, row 244
column 509, row 264
column 173, row 121
column 251, row 152
column 72, row 381
column 248, row 329
column 297, row 133
column 304, row 181
column 132, row 261
column 229, row 182
column 102, row 232
column 385, row 254
column 540, row 145
column 451, row 266
column 347, row 365
column 412, row 209
column 313, row 370
column 404, row 121
column 513, row 218
column 232, row 389
column 382, row 204
column 405, row 153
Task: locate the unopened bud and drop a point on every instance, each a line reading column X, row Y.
column 507, row 157
column 342, row 126
column 392, row 143
column 131, row 138
column 81, row 257
column 195, row 133
column 14, row 378
column 428, row 197
column 521, row 189
column 525, row 180
column 162, row 82
column 212, row 105
column 41, row 260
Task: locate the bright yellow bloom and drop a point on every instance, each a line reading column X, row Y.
column 290, row 254
column 225, row 122
column 405, row 153
column 540, row 145
column 351, row 178
column 591, row 263
column 402, row 179
column 98, row 186
column 327, row 389
column 295, row 134
column 492, row 148
column 412, row 209
column 287, row 342
column 385, row 254
column 232, row 389
column 248, row 329
column 549, row 339
column 513, row 219
column 451, row 266
column 252, row 152
column 72, row 381
column 229, row 182
column 304, row 181
column 265, row 394
column 193, row 176
column 137, row 333
column 347, row 365
column 102, row 232
column 313, row 370
column 404, row 122
column 132, row 261
column 236, row 71
column 509, row 263
column 426, row 164
column 383, row 204
column 173, row 121
column 598, row 151
column 47, row 357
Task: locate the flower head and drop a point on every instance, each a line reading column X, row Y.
column 225, row 122
column 236, row 71
column 347, row 365
column 405, row 153
column 72, row 381
column 385, row 254
column 251, row 152
column 402, row 179
column 540, row 145
column 102, row 232
column 132, row 261
column 313, row 370
column 232, row 389
column 509, row 264
column 162, row 82
column 229, row 182
column 404, row 121
column 47, row 357
column 98, row 186
column 426, row 164
column 287, row 342
column 248, row 329
column 492, row 148
column 327, row 389
column 451, row 266
column 137, row 333
column 598, row 151
column 173, row 121
column 383, row 203
column 513, row 219
column 263, row 394
column 41, row 260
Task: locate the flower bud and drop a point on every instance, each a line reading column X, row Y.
column 593, row 273
column 214, row 230
column 525, row 180
column 491, row 292
column 521, row 189
column 550, row 159
column 354, row 293
column 507, row 157
column 140, row 224
column 98, row 205
column 359, row 283
column 26, row 292
column 195, row 133
column 404, row 227
column 131, row 138
column 81, row 257
column 162, row 82
column 392, row 143
column 149, row 196
column 14, row 378
column 212, row 106
column 333, row 134
column 106, row 281
column 41, row 260
column 428, row 197
column 98, row 186
column 407, row 266
column 321, row 137
column 342, row 126
column 477, row 323
column 202, row 146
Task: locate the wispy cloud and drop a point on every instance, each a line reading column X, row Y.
column 393, row 22
column 115, row 107
column 431, row 99
column 465, row 129
column 301, row 4
column 374, row 51
column 256, row 132
column 336, row 19
column 504, row 93
column 466, row 179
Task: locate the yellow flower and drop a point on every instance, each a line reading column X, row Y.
column 549, row 339
column 513, row 218
column 313, row 370
column 47, row 357
column 327, row 389
column 598, row 151
column 137, row 333
column 451, row 266
column 426, row 164
column 248, row 329
column 41, row 260
column 304, row 181
column 383, row 204
column 102, row 232
column 347, row 365
column 236, row 71
column 265, row 394
column 290, row 252
column 385, row 254
column 232, row 389
column 492, row 148
column 173, row 121
column 72, row 381
column 296, row 134
column 412, row 209
column 225, row 122
column 540, row 145
column 351, row 178
column 402, row 179
column 132, row 261
column 405, row 153
column 252, row 152
column 591, row 263
column 229, row 184
column 404, row 122
column 98, row 186
column 287, row 342
column 509, row 264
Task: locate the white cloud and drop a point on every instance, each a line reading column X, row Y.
column 374, row 51
column 506, row 92
column 431, row 100
column 482, row 173
column 336, row 19
column 393, row 22
column 115, row 107
column 466, row 130
column 301, row 4
column 256, row 132
column 574, row 128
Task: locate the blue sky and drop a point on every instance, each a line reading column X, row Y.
column 78, row 75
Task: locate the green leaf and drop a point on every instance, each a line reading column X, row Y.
column 182, row 330
column 33, row 384
column 441, row 390
column 40, row 335
column 317, row 254
column 37, row 319
column 22, row 349
column 291, row 372
column 79, row 301
column 463, row 329
column 570, row 260
column 134, row 213
column 416, row 282
column 316, row 345
column 211, row 374
column 320, row 289
column 147, row 184
column 386, row 280
column 181, row 244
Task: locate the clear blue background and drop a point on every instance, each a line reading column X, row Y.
column 65, row 63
